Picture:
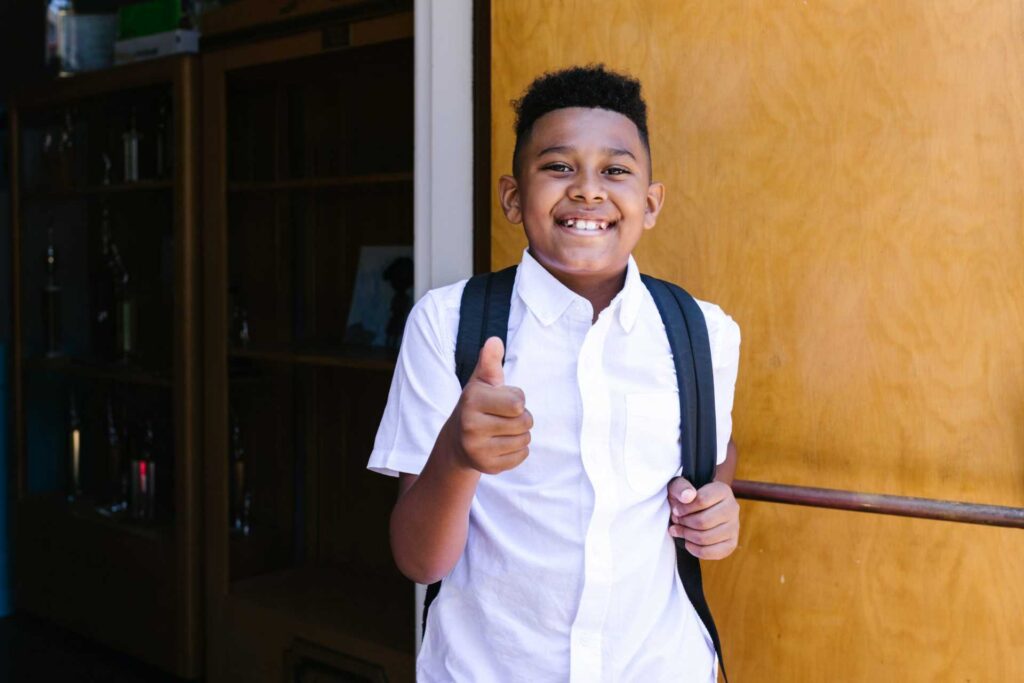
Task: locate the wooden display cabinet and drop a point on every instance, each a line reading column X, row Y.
column 308, row 158
column 113, row 332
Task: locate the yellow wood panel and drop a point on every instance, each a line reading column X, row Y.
column 822, row 595
column 844, row 179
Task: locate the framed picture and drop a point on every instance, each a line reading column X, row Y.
column 382, row 296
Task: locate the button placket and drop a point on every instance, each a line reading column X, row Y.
column 586, row 660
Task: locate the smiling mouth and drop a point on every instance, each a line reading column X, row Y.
column 586, row 224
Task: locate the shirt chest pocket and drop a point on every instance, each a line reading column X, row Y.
column 651, row 451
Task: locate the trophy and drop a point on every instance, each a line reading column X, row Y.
column 125, row 305
column 74, row 452
column 103, row 293
column 240, row 500
column 163, row 155
column 130, row 143
column 118, row 486
column 51, row 300
column 66, row 152
column 143, row 479
column 107, row 166
column 239, row 333
column 125, row 319
column 59, row 152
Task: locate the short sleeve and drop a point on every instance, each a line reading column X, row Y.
column 724, row 335
column 424, row 391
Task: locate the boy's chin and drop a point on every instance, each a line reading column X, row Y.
column 579, row 263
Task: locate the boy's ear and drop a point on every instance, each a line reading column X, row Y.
column 655, row 200
column 508, row 195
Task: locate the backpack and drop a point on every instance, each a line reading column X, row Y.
column 486, row 302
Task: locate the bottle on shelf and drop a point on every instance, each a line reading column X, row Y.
column 144, row 477
column 118, row 486
column 162, row 140
column 240, row 500
column 246, row 527
column 66, row 152
column 239, row 333
column 103, row 293
column 130, row 143
column 51, row 300
column 74, row 452
column 108, row 166
column 58, row 152
column 125, row 305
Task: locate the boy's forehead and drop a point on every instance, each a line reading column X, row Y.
column 579, row 126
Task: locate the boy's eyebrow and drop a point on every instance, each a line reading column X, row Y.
column 619, row 152
column 610, row 151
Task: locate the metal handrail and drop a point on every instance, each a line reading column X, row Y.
column 901, row 506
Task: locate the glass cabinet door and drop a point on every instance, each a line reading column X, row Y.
column 97, row 293
column 318, row 281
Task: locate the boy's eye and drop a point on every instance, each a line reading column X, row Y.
column 558, row 167
column 617, row 170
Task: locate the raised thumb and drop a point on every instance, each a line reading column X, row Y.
column 488, row 365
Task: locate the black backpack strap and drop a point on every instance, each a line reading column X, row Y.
column 691, row 351
column 486, row 302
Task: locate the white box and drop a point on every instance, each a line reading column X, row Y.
column 156, row 45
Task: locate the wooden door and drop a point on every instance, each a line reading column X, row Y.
column 844, row 179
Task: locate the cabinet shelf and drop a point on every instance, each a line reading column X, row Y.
column 85, row 511
column 364, row 610
column 124, row 374
column 321, row 182
column 356, row 357
column 97, row 190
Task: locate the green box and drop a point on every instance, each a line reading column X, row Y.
column 147, row 18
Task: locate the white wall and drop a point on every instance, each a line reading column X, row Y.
column 443, row 185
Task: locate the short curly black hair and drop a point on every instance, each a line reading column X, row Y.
column 591, row 86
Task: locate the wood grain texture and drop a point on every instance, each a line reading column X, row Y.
column 843, row 178
column 835, row 596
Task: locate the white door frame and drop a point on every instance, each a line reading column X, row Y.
column 443, row 179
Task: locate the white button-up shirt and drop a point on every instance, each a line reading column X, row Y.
column 569, row 573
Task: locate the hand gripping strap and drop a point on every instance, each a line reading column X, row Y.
column 691, row 351
column 486, row 302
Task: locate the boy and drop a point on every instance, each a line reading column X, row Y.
column 541, row 493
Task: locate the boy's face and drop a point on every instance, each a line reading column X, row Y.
column 583, row 192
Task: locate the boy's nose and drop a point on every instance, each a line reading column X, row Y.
column 587, row 188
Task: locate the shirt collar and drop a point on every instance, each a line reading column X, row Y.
column 548, row 299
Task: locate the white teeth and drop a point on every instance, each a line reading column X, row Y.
column 581, row 224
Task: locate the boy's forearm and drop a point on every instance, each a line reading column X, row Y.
column 431, row 519
column 726, row 472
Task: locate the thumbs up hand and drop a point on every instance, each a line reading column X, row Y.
column 490, row 427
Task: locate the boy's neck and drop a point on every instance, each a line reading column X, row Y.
column 599, row 288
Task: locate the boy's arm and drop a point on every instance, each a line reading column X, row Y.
column 726, row 472
column 488, row 432
column 431, row 518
